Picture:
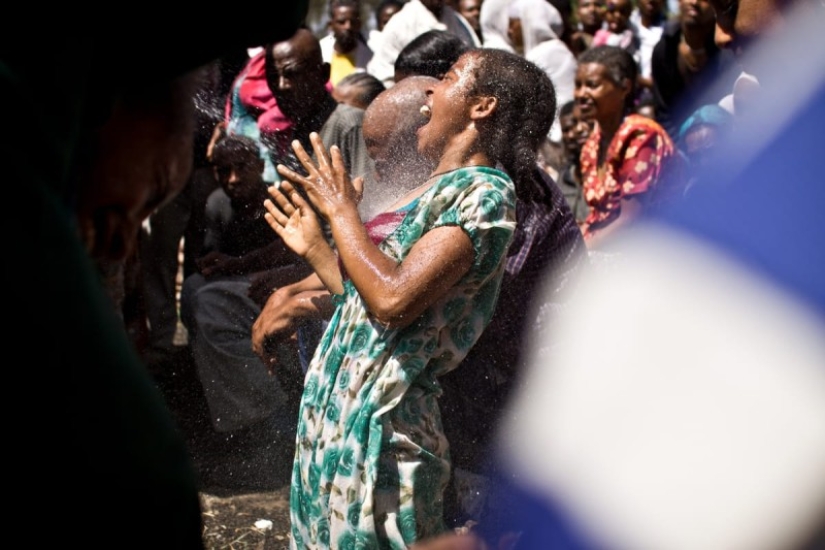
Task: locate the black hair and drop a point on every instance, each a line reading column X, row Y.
column 384, row 4
column 233, row 149
column 567, row 108
column 430, row 54
column 620, row 65
column 526, row 110
column 335, row 4
column 368, row 86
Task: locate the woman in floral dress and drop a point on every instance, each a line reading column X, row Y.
column 629, row 160
column 414, row 288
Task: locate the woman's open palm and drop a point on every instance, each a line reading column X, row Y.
column 292, row 218
column 327, row 182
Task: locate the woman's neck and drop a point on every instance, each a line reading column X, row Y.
column 462, row 150
column 610, row 126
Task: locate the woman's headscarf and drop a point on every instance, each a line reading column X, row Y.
column 494, row 22
column 540, row 21
column 541, row 26
column 706, row 115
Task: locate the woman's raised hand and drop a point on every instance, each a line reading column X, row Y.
column 327, row 184
column 293, row 219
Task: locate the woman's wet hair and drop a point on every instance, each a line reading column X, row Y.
column 430, row 54
column 526, row 110
column 619, row 63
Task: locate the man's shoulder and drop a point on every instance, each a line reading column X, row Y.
column 343, row 119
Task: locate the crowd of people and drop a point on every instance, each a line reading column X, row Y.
column 385, row 235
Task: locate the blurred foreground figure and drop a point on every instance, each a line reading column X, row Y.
column 102, row 139
column 681, row 402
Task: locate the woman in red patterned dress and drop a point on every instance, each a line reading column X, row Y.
column 627, row 156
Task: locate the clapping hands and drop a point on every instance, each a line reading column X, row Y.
column 327, row 184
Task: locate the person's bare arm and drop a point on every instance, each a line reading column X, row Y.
column 285, row 309
column 395, row 292
column 297, row 225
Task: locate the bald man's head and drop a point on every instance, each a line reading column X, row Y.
column 389, row 129
column 391, row 122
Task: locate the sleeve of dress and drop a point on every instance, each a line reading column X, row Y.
column 486, row 212
column 644, row 157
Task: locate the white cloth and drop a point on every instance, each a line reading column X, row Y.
column 363, row 53
column 493, row 19
column 374, row 40
column 411, row 21
column 745, row 83
column 559, row 63
column 648, row 38
column 543, row 47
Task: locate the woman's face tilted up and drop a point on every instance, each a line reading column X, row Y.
column 448, row 107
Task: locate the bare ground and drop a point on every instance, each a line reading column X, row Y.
column 244, row 485
column 254, row 521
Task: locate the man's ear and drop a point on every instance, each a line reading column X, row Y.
column 483, row 107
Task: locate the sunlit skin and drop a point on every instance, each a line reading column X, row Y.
column 394, row 293
column 590, row 14
column 617, row 15
column 345, row 24
column 599, row 98
column 450, row 124
column 389, row 133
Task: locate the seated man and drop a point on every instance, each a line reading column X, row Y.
column 238, row 244
column 249, row 408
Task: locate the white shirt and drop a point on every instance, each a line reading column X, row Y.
column 411, row 21
column 648, row 38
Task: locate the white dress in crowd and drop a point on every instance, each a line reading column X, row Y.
column 648, row 38
column 494, row 20
column 541, row 25
column 409, row 22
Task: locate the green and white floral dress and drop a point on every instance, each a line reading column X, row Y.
column 371, row 459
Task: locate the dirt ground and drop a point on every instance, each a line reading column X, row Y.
column 245, row 486
column 254, row 521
